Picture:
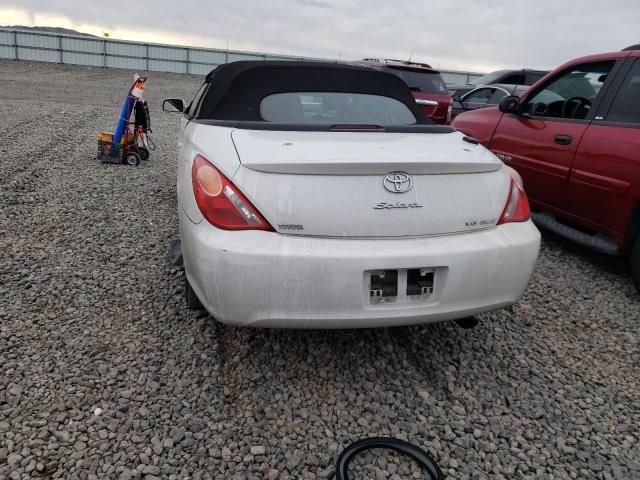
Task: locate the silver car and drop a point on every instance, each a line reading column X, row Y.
column 485, row 97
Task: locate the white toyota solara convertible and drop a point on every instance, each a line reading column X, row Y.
column 318, row 195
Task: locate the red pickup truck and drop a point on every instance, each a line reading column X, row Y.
column 574, row 137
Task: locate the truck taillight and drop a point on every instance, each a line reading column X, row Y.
column 517, row 207
column 220, row 201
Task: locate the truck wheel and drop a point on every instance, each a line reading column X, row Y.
column 190, row 296
column 635, row 263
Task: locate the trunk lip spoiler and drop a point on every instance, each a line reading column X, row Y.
column 328, row 127
column 370, row 169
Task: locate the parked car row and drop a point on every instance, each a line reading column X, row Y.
column 322, row 195
column 501, row 77
column 442, row 102
column 574, row 137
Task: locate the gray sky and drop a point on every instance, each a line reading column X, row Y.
column 479, row 35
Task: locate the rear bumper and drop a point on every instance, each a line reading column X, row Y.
column 266, row 279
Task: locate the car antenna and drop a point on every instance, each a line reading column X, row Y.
column 515, row 87
column 411, row 56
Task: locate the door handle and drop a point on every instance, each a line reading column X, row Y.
column 563, row 139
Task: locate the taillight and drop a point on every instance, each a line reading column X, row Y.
column 517, row 207
column 220, row 202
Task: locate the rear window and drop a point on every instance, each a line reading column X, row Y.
column 488, row 79
column 626, row 106
column 421, row 81
column 335, row 108
column 534, row 77
column 513, row 79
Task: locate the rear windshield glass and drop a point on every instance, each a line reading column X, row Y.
column 335, row 108
column 488, row 79
column 421, row 81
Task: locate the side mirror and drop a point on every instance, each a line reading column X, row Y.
column 174, row 105
column 509, row 104
column 457, row 98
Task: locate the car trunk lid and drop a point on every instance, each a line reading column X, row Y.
column 370, row 184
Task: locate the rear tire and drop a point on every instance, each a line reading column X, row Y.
column 635, row 263
column 193, row 302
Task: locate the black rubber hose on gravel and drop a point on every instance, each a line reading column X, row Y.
column 421, row 457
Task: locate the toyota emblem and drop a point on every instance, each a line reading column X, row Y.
column 398, row 182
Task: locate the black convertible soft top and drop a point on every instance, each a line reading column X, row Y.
column 236, row 89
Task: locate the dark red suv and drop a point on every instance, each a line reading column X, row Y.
column 574, row 137
column 427, row 85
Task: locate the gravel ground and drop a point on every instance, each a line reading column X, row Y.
column 106, row 374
